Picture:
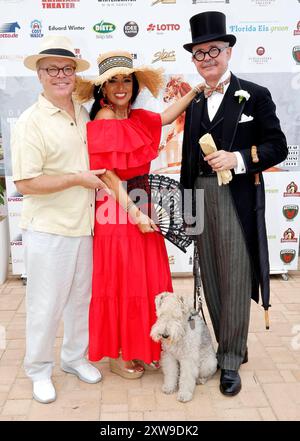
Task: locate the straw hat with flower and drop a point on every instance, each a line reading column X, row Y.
column 120, row 62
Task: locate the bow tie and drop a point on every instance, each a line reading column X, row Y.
column 208, row 91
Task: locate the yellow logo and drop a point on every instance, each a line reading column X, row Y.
column 164, row 2
column 164, row 56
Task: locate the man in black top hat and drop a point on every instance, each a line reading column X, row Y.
column 233, row 248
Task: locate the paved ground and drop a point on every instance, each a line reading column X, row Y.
column 271, row 378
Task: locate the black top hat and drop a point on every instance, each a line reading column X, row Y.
column 209, row 26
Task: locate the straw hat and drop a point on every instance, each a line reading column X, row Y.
column 120, row 62
column 56, row 46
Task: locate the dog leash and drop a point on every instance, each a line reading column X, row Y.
column 197, row 284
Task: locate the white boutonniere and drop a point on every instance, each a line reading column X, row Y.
column 242, row 94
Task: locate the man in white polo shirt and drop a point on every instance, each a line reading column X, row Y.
column 51, row 170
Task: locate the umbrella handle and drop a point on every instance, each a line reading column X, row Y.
column 255, row 159
column 254, row 155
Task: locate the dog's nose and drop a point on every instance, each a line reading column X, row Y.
column 165, row 336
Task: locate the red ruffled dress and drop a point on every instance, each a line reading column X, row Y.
column 130, row 268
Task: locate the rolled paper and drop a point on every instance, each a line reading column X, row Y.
column 208, row 146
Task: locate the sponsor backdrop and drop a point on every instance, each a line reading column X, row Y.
column 267, row 52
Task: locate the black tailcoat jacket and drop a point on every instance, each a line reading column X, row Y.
column 262, row 129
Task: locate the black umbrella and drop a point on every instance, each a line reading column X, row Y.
column 264, row 266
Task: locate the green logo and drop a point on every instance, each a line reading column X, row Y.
column 104, row 28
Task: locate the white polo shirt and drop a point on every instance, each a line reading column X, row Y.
column 47, row 141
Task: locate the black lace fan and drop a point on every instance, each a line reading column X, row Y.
column 161, row 198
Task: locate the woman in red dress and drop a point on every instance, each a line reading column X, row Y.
column 130, row 264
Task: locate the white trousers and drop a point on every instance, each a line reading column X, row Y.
column 59, row 274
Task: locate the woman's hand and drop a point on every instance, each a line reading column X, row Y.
column 145, row 223
column 199, row 88
column 172, row 112
column 90, row 179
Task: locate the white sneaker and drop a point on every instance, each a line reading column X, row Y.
column 85, row 372
column 43, row 391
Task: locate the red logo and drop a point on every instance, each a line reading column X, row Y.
column 77, row 53
column 287, row 256
column 296, row 54
column 292, row 190
column 59, row 4
column 260, row 51
column 163, row 27
column 297, row 31
column 289, row 236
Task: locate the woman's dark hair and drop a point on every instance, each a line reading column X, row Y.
column 98, row 95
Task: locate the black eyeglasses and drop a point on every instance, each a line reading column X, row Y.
column 213, row 52
column 54, row 71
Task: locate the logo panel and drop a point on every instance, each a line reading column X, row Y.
column 59, row 4
column 164, row 55
column 291, row 190
column 131, row 29
column 290, row 211
column 36, row 29
column 287, row 256
column 9, row 30
column 296, row 54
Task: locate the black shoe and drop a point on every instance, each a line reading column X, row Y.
column 230, row 382
column 245, row 359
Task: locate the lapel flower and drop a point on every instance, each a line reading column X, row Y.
column 242, row 94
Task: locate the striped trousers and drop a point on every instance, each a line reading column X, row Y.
column 225, row 272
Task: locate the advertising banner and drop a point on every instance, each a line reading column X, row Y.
column 154, row 31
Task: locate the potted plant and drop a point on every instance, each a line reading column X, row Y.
column 4, row 235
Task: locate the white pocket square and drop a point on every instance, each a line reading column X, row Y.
column 245, row 118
